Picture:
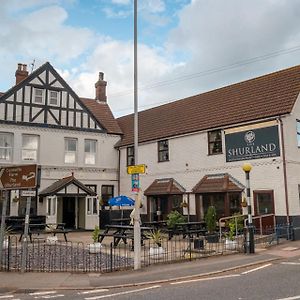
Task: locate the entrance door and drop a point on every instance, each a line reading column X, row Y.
column 69, row 212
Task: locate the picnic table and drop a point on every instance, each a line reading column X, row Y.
column 156, row 224
column 188, row 229
column 46, row 228
column 120, row 221
column 122, row 233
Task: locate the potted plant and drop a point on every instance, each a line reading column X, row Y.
column 211, row 223
column 235, row 224
column 95, row 247
column 173, row 218
column 156, row 237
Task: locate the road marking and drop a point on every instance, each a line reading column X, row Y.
column 93, row 291
column 256, row 269
column 290, row 298
column 206, row 279
column 42, row 293
column 123, row 293
column 290, row 263
column 50, row 296
column 6, row 296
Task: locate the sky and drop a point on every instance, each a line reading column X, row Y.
column 185, row 47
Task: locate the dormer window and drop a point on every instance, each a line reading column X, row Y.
column 53, row 97
column 38, row 96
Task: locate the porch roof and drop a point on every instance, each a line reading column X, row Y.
column 63, row 183
column 218, row 183
column 164, row 186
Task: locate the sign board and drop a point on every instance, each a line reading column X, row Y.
column 135, row 183
column 28, row 193
column 252, row 143
column 18, row 177
column 138, row 169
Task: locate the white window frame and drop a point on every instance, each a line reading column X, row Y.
column 36, row 150
column 51, row 205
column 91, row 154
column 92, row 205
column 38, row 96
column 52, row 97
column 9, row 148
column 71, row 152
column 298, row 132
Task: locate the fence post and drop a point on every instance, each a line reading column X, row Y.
column 111, row 256
column 190, row 247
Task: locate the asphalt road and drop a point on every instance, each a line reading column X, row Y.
column 280, row 280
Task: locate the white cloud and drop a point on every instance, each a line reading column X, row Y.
column 122, row 2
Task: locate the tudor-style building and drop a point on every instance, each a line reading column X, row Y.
column 194, row 150
column 43, row 122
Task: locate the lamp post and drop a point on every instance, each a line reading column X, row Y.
column 249, row 246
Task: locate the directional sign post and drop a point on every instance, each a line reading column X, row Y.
column 138, row 169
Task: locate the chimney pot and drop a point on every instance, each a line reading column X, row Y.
column 25, row 67
column 19, row 67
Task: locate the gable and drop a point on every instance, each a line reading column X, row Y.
column 45, row 99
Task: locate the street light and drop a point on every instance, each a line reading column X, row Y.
column 249, row 247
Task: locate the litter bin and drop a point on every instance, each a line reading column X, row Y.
column 296, row 234
column 198, row 244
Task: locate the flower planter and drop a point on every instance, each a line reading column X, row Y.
column 51, row 240
column 230, row 244
column 94, row 248
column 156, row 252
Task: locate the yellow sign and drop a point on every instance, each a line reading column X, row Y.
column 138, row 169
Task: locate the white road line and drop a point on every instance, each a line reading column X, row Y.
column 205, row 279
column 6, row 296
column 42, row 293
column 123, row 293
column 290, row 263
column 256, row 269
column 290, row 298
column 93, row 291
column 51, row 296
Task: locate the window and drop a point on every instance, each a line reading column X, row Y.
column 92, row 187
column 107, row 192
column 51, row 206
column 263, row 202
column 70, row 150
column 90, row 152
column 298, row 133
column 214, row 142
column 163, row 150
column 30, row 146
column 53, row 97
column 92, row 205
column 6, row 146
column 130, row 156
column 38, row 96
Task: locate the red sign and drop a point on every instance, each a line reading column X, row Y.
column 18, row 177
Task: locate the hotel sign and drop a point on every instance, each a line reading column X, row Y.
column 252, row 142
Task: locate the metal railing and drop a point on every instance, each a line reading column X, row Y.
column 261, row 221
column 222, row 224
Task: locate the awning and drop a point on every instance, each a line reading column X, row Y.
column 67, row 186
column 218, row 183
column 164, row 186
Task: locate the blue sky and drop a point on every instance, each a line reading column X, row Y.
column 185, row 46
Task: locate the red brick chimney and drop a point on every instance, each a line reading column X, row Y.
column 100, row 86
column 21, row 73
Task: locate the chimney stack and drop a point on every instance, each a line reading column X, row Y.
column 21, row 73
column 100, row 86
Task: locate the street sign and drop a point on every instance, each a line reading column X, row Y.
column 135, row 183
column 138, row 169
column 18, row 177
column 28, row 193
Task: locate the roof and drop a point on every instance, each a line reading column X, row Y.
column 218, row 183
column 103, row 114
column 262, row 97
column 63, row 183
column 164, row 186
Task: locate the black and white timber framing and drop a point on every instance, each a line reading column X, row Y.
column 17, row 105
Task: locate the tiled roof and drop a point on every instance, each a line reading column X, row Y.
column 164, row 186
column 263, row 97
column 103, row 114
column 64, row 182
column 217, row 183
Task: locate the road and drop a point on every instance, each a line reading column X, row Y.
column 280, row 280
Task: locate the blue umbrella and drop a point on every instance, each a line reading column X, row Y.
column 121, row 201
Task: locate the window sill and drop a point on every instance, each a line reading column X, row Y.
column 162, row 161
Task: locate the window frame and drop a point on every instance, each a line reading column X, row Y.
column 95, row 153
column 161, row 151
column 92, row 203
column 38, row 96
column 259, row 192
column 130, row 156
column 51, row 97
column 68, row 151
column 210, row 142
column 30, row 149
column 9, row 148
column 107, row 195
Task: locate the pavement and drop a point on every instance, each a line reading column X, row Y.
column 31, row 281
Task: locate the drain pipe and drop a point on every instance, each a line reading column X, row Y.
column 284, row 175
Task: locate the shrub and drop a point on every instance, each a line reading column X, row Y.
column 211, row 219
column 174, row 217
column 95, row 234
